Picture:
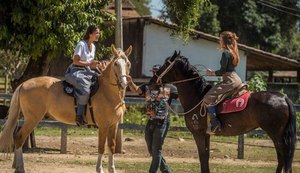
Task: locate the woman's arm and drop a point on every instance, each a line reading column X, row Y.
column 222, row 70
column 77, row 61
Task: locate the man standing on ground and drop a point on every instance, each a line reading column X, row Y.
column 158, row 98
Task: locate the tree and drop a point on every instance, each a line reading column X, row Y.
column 266, row 24
column 185, row 14
column 46, row 29
column 12, row 64
column 142, row 7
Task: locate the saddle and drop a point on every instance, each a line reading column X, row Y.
column 236, row 102
column 70, row 90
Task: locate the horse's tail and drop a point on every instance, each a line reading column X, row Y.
column 6, row 137
column 289, row 137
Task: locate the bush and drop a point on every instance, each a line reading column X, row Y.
column 135, row 114
column 257, row 83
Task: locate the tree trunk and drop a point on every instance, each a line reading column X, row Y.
column 36, row 67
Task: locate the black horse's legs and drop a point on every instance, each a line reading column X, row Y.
column 203, row 150
column 280, row 156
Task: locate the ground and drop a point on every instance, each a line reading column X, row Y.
column 82, row 155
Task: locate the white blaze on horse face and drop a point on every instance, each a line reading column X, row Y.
column 123, row 70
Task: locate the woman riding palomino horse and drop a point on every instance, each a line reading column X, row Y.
column 271, row 111
column 80, row 73
column 230, row 59
column 44, row 95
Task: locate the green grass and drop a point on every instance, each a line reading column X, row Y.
column 184, row 167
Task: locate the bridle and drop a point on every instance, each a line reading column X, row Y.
column 159, row 78
column 159, row 82
column 119, row 79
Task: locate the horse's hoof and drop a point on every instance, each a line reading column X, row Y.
column 112, row 170
column 20, row 171
column 99, row 170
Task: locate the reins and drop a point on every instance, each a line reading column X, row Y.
column 189, row 111
column 159, row 82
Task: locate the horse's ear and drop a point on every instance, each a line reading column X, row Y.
column 114, row 50
column 128, row 51
column 175, row 54
column 179, row 53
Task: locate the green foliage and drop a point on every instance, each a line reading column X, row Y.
column 135, row 114
column 208, row 21
column 185, row 14
column 142, row 7
column 291, row 47
column 256, row 23
column 48, row 28
column 257, row 83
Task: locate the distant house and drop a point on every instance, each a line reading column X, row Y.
column 128, row 9
column 285, row 77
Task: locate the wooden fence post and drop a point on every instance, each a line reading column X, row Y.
column 240, row 147
column 63, row 142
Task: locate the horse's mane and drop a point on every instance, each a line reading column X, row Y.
column 190, row 71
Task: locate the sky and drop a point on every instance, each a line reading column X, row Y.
column 155, row 6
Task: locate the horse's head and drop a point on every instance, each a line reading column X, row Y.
column 120, row 65
column 177, row 69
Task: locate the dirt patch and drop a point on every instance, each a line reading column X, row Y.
column 47, row 158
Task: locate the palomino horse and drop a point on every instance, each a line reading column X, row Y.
column 273, row 112
column 44, row 95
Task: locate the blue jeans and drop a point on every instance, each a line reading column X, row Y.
column 155, row 133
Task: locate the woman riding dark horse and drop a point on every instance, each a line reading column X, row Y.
column 230, row 59
column 271, row 111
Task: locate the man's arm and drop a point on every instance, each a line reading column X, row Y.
column 133, row 87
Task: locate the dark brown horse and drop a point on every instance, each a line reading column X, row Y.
column 271, row 111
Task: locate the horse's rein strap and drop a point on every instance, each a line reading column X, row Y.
column 166, row 71
column 189, row 111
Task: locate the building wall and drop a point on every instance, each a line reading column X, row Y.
column 158, row 44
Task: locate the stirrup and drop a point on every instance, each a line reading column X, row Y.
column 211, row 130
column 79, row 121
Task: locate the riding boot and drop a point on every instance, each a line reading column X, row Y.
column 213, row 123
column 79, row 115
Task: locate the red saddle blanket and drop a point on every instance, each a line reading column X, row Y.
column 234, row 105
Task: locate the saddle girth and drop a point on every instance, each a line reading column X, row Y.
column 69, row 90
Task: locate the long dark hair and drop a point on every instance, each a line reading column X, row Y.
column 89, row 30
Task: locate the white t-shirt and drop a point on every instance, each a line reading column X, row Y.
column 82, row 50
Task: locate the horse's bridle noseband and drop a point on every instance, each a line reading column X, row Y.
column 159, row 78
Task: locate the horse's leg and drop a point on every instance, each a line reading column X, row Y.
column 279, row 152
column 111, row 163
column 20, row 137
column 203, row 144
column 18, row 162
column 111, row 143
column 102, row 133
column 99, row 167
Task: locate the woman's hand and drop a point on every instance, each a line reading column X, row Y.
column 94, row 64
column 101, row 66
column 129, row 79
